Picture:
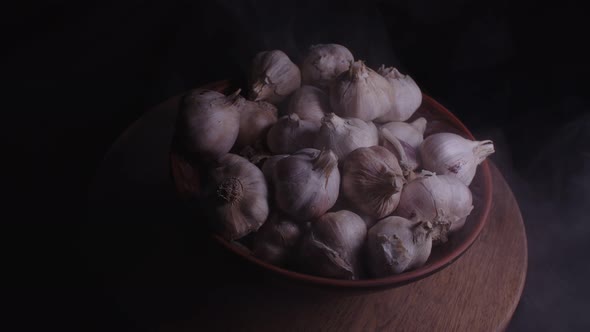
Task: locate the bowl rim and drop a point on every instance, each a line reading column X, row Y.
column 393, row 280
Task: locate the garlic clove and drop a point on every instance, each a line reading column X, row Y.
column 309, row 103
column 201, row 110
column 276, row 240
column 420, row 125
column 306, row 183
column 406, row 154
column 273, row 77
column 344, row 135
column 323, row 63
column 239, row 197
column 396, row 244
column 442, row 200
column 291, row 134
column 333, row 246
column 407, row 95
column 372, row 181
column 361, row 93
column 256, row 118
column 448, row 153
column 411, row 133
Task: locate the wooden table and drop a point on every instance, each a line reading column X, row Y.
column 163, row 273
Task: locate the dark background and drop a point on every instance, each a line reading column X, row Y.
column 76, row 74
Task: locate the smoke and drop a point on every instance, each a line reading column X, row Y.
column 553, row 192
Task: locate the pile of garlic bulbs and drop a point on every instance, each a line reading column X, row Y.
column 324, row 169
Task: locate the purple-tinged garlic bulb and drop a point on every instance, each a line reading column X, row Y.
column 323, row 63
column 273, row 77
column 333, row 246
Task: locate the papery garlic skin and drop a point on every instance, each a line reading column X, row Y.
column 442, row 200
column 309, row 103
column 361, row 93
column 412, row 133
column 344, row 135
column 407, row 95
column 333, row 246
column 273, row 77
column 276, row 240
column 291, row 134
column 405, row 154
column 372, row 181
column 306, row 184
column 448, row 153
column 323, row 63
column 239, row 195
column 208, row 122
column 396, row 244
column 256, row 118
column 404, row 140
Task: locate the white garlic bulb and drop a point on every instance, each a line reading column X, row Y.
column 448, row 153
column 372, row 181
column 275, row 241
column 396, row 244
column 309, row 103
column 255, row 120
column 333, row 246
column 411, row 133
column 291, row 134
column 239, row 195
column 306, row 183
column 443, row 200
column 208, row 122
column 344, row 135
column 274, row 77
column 323, row 63
column 407, row 95
column 361, row 93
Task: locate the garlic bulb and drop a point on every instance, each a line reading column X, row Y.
column 333, row 246
column 448, row 153
column 372, row 181
column 407, row 95
column 361, row 93
column 323, row 63
column 239, row 196
column 405, row 154
column 411, row 133
column 443, row 200
column 309, row 103
column 274, row 77
column 396, row 244
column 306, row 183
column 255, row 120
column 344, row 135
column 291, row 134
column 276, row 239
column 208, row 122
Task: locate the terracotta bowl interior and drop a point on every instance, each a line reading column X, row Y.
column 439, row 120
